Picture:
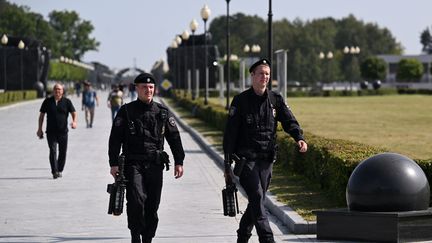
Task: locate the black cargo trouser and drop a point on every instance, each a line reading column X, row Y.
column 57, row 162
column 143, row 194
column 255, row 180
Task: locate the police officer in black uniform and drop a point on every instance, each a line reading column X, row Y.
column 250, row 133
column 139, row 130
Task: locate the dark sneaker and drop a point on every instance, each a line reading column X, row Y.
column 55, row 175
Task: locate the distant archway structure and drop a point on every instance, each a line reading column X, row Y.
column 119, row 75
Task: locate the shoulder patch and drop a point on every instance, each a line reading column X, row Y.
column 232, row 111
column 171, row 121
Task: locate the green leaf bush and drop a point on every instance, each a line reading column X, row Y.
column 16, row 96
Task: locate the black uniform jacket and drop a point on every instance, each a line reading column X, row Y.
column 139, row 129
column 252, row 122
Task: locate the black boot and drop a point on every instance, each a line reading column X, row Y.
column 136, row 237
column 267, row 240
column 146, row 240
column 242, row 239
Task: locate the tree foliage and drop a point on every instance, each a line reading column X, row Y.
column 426, row 41
column 72, row 34
column 409, row 70
column 304, row 40
column 65, row 33
column 373, row 68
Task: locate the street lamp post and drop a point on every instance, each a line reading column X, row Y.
column 270, row 40
column 21, row 46
column 256, row 48
column 4, row 41
column 251, row 50
column 228, row 53
column 352, row 51
column 193, row 26
column 326, row 59
column 246, row 61
column 205, row 14
column 185, row 37
column 246, row 49
column 178, row 40
column 174, row 46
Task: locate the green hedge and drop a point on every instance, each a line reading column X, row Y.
column 63, row 71
column 414, row 91
column 328, row 162
column 15, row 96
column 214, row 115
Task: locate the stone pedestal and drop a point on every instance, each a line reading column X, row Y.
column 343, row 224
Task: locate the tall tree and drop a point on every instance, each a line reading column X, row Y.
column 426, row 41
column 304, row 40
column 18, row 21
column 73, row 34
column 65, row 34
column 244, row 30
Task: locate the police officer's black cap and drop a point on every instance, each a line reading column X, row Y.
column 145, row 78
column 260, row 62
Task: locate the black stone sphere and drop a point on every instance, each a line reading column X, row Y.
column 376, row 84
column 364, row 84
column 388, row 182
column 39, row 87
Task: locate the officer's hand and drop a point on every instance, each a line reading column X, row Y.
column 178, row 171
column 302, row 146
column 114, row 171
column 229, row 175
column 74, row 124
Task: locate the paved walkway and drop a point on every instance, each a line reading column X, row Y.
column 36, row 208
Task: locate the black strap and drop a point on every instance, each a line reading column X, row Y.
column 129, row 125
column 272, row 98
column 163, row 114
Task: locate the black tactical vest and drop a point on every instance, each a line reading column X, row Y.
column 146, row 128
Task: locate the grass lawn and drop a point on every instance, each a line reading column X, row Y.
column 400, row 123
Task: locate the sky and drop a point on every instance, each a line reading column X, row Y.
column 139, row 31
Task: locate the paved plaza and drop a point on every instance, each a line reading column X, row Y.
column 36, row 208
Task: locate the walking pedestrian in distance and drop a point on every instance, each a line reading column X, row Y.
column 89, row 101
column 132, row 91
column 57, row 109
column 115, row 100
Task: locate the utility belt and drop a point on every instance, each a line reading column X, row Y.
column 157, row 157
column 242, row 157
column 266, row 156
